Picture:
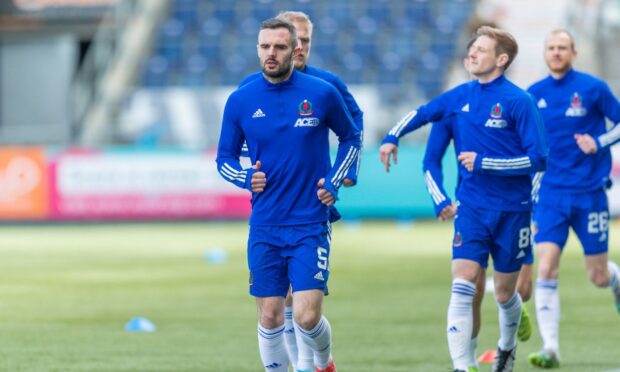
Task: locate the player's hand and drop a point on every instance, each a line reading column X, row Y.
column 385, row 151
column 448, row 212
column 467, row 159
column 347, row 182
column 324, row 196
column 586, row 143
column 259, row 180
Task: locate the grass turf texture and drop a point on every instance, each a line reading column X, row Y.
column 67, row 291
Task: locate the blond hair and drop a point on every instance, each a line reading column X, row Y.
column 294, row 16
column 505, row 42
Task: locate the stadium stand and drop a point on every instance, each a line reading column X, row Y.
column 365, row 41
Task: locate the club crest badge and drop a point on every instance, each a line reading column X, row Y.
column 576, row 108
column 305, row 108
column 458, row 240
column 496, row 120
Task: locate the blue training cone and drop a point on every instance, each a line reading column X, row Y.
column 139, row 324
column 216, row 256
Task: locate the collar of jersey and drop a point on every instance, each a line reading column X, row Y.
column 564, row 79
column 500, row 79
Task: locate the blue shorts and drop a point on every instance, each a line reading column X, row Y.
column 279, row 256
column 586, row 213
column 505, row 236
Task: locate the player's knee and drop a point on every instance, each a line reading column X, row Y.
column 271, row 319
column 308, row 318
column 503, row 296
column 546, row 270
column 504, row 292
column 599, row 277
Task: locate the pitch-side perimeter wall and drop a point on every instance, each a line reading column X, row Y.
column 40, row 184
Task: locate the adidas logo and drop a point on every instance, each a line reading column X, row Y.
column 521, row 254
column 273, row 365
column 453, row 329
column 465, row 108
column 319, row 276
column 258, row 114
column 542, row 103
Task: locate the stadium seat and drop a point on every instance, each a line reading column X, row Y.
column 367, row 25
column 186, row 11
column 235, row 68
column 326, row 26
column 341, row 11
column 225, row 12
column 379, row 11
column 264, row 9
column 390, row 68
column 195, row 71
column 352, row 68
column 418, row 12
column 156, row 71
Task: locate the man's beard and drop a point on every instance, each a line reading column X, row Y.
column 284, row 69
column 560, row 68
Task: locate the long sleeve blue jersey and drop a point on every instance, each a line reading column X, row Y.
column 286, row 127
column 352, row 106
column 576, row 104
column 437, row 144
column 498, row 121
column 442, row 133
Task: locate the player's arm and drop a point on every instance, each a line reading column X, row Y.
column 534, row 159
column 245, row 152
column 610, row 107
column 434, row 111
column 349, row 144
column 536, row 178
column 436, row 146
column 358, row 118
column 228, row 152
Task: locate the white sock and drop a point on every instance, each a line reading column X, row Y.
column 305, row 355
column 272, row 349
column 289, row 336
column 614, row 276
column 547, row 301
column 319, row 339
column 460, row 322
column 509, row 317
column 473, row 350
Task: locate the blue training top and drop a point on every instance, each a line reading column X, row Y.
column 352, row 106
column 498, row 121
column 286, row 126
column 576, row 104
column 438, row 141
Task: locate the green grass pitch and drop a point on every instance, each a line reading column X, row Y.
column 67, row 291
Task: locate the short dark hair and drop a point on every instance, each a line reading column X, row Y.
column 469, row 44
column 505, row 42
column 275, row 23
